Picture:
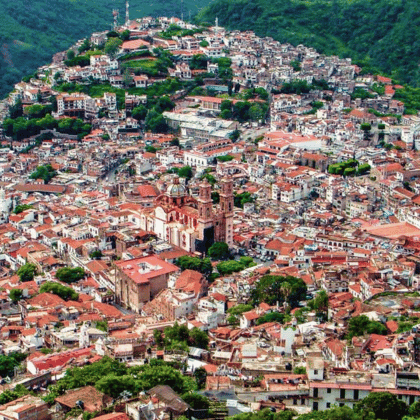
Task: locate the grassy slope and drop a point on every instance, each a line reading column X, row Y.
column 381, row 33
column 31, row 31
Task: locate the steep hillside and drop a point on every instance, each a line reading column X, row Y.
column 382, row 34
column 31, row 31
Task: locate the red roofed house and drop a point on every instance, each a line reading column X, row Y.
column 139, row 280
column 191, row 281
column 55, row 361
column 89, row 396
column 28, row 407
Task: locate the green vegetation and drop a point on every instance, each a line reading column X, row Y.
column 21, row 208
column 219, row 251
column 27, row 272
column 9, row 395
column 20, row 127
column 243, row 198
column 112, row 377
column 243, row 111
column 273, row 317
column 377, row 405
column 279, row 289
column 184, row 172
column 319, row 304
column 350, row 167
column 378, row 34
column 194, row 263
column 70, row 275
column 45, row 173
column 360, row 325
column 16, row 295
column 66, row 293
column 175, row 30
column 240, row 309
column 196, row 401
column 180, row 337
column 96, row 255
column 232, row 266
column 226, row 158
column 102, row 325
column 8, row 363
column 27, row 43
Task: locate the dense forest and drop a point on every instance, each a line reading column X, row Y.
column 380, row 35
column 31, row 31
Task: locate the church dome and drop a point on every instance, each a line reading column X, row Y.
column 176, row 189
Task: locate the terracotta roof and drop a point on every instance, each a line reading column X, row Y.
column 93, row 399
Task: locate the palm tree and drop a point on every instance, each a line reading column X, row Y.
column 286, row 290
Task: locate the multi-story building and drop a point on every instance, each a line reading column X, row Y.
column 139, row 280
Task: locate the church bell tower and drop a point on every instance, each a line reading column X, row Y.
column 205, row 208
column 226, row 205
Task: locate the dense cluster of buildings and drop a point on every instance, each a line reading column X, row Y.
column 120, row 207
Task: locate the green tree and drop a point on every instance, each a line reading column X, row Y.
column 271, row 317
column 320, row 303
column 45, row 172
column 21, row 207
column 27, row 272
column 196, row 401
column 114, row 385
column 185, row 172
column 157, row 334
column 66, row 293
column 200, row 376
column 268, row 289
column 414, row 409
column 70, row 275
column 155, row 122
column 219, row 251
column 16, row 295
column 240, row 309
column 383, row 405
column 139, row 113
column 198, row 338
column 8, row 363
column 203, row 266
column 9, row 395
column 243, row 198
column 125, row 35
column 112, row 46
column 360, row 325
column 229, row 267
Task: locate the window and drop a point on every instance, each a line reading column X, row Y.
column 315, row 371
column 315, row 392
column 294, row 401
column 315, row 406
column 342, row 393
column 328, row 405
column 328, row 390
column 356, row 394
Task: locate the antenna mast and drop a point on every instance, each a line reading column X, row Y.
column 127, row 13
column 115, row 13
column 182, row 10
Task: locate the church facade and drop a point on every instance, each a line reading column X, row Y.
column 190, row 223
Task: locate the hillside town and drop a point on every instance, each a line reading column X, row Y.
column 240, row 211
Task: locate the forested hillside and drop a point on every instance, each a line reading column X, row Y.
column 31, row 31
column 382, row 34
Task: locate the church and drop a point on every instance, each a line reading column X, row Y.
column 190, row 223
